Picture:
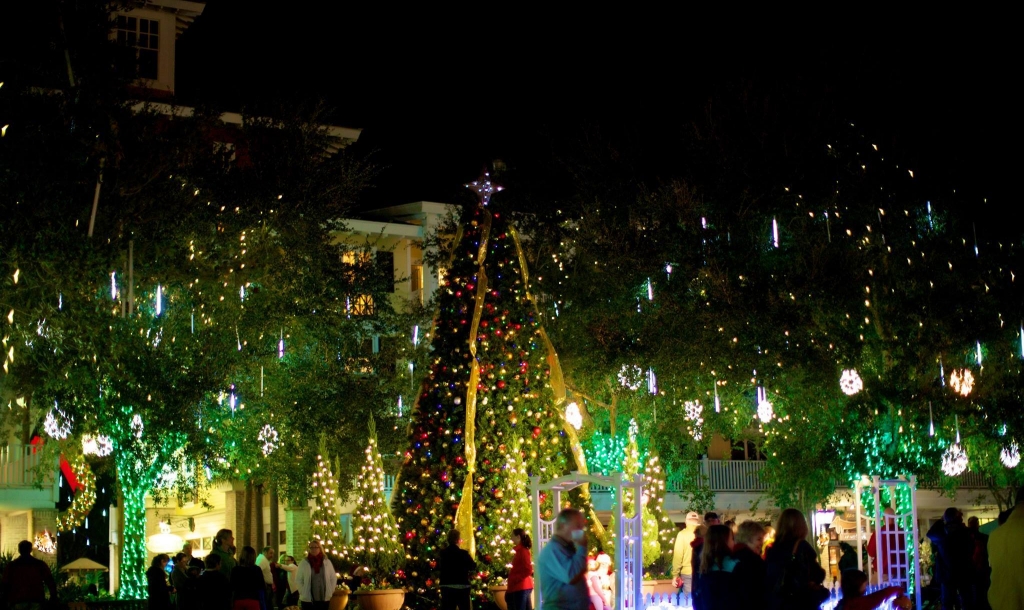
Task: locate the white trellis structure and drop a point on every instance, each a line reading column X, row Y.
column 629, row 537
column 900, row 533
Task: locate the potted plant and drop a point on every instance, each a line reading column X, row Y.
column 376, row 546
column 497, row 588
column 339, row 601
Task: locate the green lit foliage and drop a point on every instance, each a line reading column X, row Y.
column 655, row 488
column 649, row 523
column 513, row 401
column 325, row 519
column 376, row 543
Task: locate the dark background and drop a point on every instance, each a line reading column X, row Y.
column 439, row 97
column 439, row 94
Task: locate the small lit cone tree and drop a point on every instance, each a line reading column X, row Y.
column 376, row 542
column 654, row 490
column 630, row 468
column 325, row 494
column 487, row 390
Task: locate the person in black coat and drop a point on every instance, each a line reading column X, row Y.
column 750, row 572
column 793, row 573
column 156, row 584
column 954, row 553
column 214, row 587
column 456, row 566
column 247, row 586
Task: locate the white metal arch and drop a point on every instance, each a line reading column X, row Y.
column 900, row 531
column 629, row 537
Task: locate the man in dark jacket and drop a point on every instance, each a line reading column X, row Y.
column 954, row 552
column 25, row 577
column 456, row 566
column 750, row 573
column 214, row 587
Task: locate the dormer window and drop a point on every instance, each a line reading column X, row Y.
column 142, row 36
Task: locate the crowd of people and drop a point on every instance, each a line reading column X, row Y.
column 230, row 579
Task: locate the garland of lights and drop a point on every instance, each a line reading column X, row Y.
column 85, row 497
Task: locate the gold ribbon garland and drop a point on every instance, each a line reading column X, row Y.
column 464, row 515
column 557, row 382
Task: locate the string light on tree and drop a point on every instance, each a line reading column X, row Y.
column 268, row 439
column 961, row 381
column 573, row 415
column 57, row 423
column 850, row 382
column 1010, row 455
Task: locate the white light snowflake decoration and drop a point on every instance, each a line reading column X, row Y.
column 57, row 424
column 962, row 381
column 99, row 445
column 634, row 428
column 573, row 415
column 850, row 382
column 1010, row 455
column 268, row 438
column 631, row 376
column 137, row 426
column 693, row 409
column 954, row 460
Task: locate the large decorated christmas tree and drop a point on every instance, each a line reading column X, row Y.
column 487, row 395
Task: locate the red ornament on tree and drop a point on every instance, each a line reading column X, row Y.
column 536, row 432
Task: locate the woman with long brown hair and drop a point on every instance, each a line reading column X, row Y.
column 715, row 589
column 520, row 576
column 792, row 566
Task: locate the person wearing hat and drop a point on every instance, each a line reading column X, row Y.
column 682, row 554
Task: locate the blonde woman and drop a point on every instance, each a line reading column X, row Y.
column 316, row 578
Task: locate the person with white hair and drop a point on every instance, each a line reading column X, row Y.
column 562, row 564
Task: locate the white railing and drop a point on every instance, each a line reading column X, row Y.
column 17, row 464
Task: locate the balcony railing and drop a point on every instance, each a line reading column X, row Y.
column 17, row 465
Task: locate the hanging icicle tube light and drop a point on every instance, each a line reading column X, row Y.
column 765, row 409
column 954, row 460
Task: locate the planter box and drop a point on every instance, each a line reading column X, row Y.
column 384, row 599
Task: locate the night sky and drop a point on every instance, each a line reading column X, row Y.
column 438, row 94
column 438, row 98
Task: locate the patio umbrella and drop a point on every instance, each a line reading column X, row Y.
column 83, row 564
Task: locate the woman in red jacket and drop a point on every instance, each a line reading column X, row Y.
column 520, row 577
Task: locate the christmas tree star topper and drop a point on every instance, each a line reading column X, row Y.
column 484, row 188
